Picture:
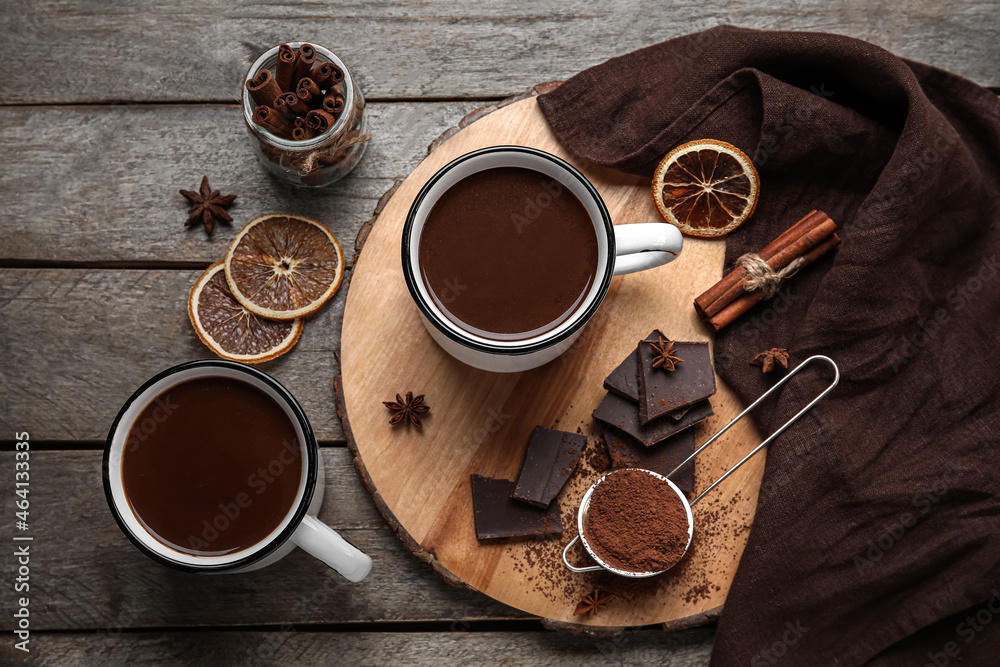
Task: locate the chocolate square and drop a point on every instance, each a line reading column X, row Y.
column 662, row 458
column 551, row 458
column 622, row 414
column 663, row 391
column 496, row 515
column 624, row 380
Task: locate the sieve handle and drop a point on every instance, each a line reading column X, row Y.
column 784, row 427
column 592, row 568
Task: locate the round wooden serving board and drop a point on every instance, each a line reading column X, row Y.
column 480, row 422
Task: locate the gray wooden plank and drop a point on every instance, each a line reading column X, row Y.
column 200, row 49
column 76, row 343
column 99, row 184
column 85, row 575
column 289, row 646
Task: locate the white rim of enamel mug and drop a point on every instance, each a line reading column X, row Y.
column 309, row 144
column 494, row 157
column 118, row 438
column 585, row 506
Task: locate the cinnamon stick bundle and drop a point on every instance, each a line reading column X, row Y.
column 290, row 102
column 806, row 241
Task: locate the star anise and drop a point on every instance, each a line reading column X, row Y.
column 768, row 361
column 592, row 602
column 406, row 411
column 666, row 358
column 207, row 206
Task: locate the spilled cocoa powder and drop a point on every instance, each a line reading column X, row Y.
column 697, row 579
column 596, row 456
column 636, row 522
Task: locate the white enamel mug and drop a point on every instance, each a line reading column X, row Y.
column 622, row 249
column 300, row 527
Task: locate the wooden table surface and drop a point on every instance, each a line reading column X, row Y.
column 106, row 110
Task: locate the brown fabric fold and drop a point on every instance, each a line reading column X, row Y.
column 877, row 534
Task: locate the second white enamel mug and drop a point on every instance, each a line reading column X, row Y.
column 622, row 249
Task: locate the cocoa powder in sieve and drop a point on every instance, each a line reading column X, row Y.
column 636, row 522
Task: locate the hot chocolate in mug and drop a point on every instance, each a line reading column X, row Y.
column 211, row 466
column 508, row 251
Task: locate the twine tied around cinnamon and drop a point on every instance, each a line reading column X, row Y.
column 760, row 276
column 755, row 277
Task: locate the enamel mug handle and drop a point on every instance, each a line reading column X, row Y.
column 323, row 542
column 645, row 245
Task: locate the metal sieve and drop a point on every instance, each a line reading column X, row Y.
column 585, row 503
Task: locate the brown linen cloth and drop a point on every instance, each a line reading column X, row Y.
column 877, row 536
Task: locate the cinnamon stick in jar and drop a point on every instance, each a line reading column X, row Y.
column 319, row 120
column 302, row 133
column 333, row 103
column 307, row 99
column 286, row 65
column 806, row 240
column 272, row 121
column 304, row 61
column 290, row 104
column 326, row 75
column 307, row 85
column 263, row 88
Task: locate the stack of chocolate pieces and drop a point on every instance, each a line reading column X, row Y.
column 649, row 410
column 527, row 507
column 302, row 98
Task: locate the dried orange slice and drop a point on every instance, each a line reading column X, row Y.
column 284, row 266
column 232, row 331
column 706, row 187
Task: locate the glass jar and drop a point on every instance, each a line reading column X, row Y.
column 325, row 158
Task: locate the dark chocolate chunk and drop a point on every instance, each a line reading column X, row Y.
column 624, row 380
column 663, row 458
column 663, row 391
column 679, row 413
column 551, row 458
column 496, row 515
column 622, row 414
